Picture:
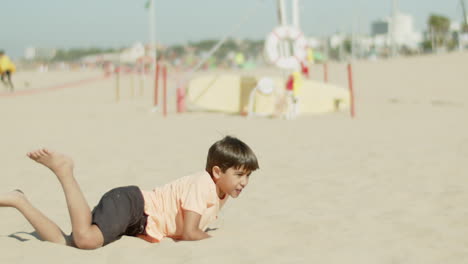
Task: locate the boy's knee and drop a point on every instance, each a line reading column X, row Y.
column 86, row 240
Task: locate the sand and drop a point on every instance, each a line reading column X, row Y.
column 386, row 187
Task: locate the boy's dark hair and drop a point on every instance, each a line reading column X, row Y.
column 231, row 152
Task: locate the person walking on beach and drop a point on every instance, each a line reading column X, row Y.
column 293, row 86
column 181, row 210
column 7, row 68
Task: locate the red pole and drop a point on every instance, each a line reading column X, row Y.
column 325, row 72
column 351, row 92
column 165, row 90
column 180, row 99
column 156, row 81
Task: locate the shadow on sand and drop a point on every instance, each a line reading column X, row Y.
column 25, row 236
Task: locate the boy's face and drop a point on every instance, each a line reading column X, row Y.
column 230, row 182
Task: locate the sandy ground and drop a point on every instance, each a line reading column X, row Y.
column 386, row 187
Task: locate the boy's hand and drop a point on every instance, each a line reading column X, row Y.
column 191, row 230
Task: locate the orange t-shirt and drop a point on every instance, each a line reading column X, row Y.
column 163, row 205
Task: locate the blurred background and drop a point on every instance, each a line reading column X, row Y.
column 64, row 34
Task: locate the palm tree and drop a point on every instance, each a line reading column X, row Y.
column 464, row 28
column 439, row 27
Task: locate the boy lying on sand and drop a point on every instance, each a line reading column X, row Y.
column 180, row 210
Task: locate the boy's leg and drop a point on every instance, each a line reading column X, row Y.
column 46, row 229
column 85, row 234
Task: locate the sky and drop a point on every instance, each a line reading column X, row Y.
column 68, row 24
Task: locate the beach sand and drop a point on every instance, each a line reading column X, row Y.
column 386, row 187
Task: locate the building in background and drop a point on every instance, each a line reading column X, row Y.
column 33, row 53
column 398, row 30
column 380, row 27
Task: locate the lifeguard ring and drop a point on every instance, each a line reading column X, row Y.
column 277, row 40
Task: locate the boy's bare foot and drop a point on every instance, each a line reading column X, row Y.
column 57, row 162
column 12, row 199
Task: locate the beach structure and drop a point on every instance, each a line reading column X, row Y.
column 286, row 49
column 231, row 93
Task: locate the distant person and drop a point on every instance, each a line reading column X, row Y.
column 239, row 60
column 305, row 69
column 181, row 209
column 293, row 87
column 310, row 55
column 7, row 68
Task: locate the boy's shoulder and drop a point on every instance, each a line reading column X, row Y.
column 199, row 187
column 198, row 177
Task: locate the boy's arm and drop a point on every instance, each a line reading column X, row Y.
column 191, row 230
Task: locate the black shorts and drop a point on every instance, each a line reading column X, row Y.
column 120, row 212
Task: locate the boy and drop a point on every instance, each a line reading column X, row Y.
column 181, row 209
column 6, row 69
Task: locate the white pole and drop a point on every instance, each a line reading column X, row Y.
column 357, row 30
column 282, row 13
column 353, row 36
column 295, row 13
column 282, row 22
column 152, row 26
column 393, row 28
